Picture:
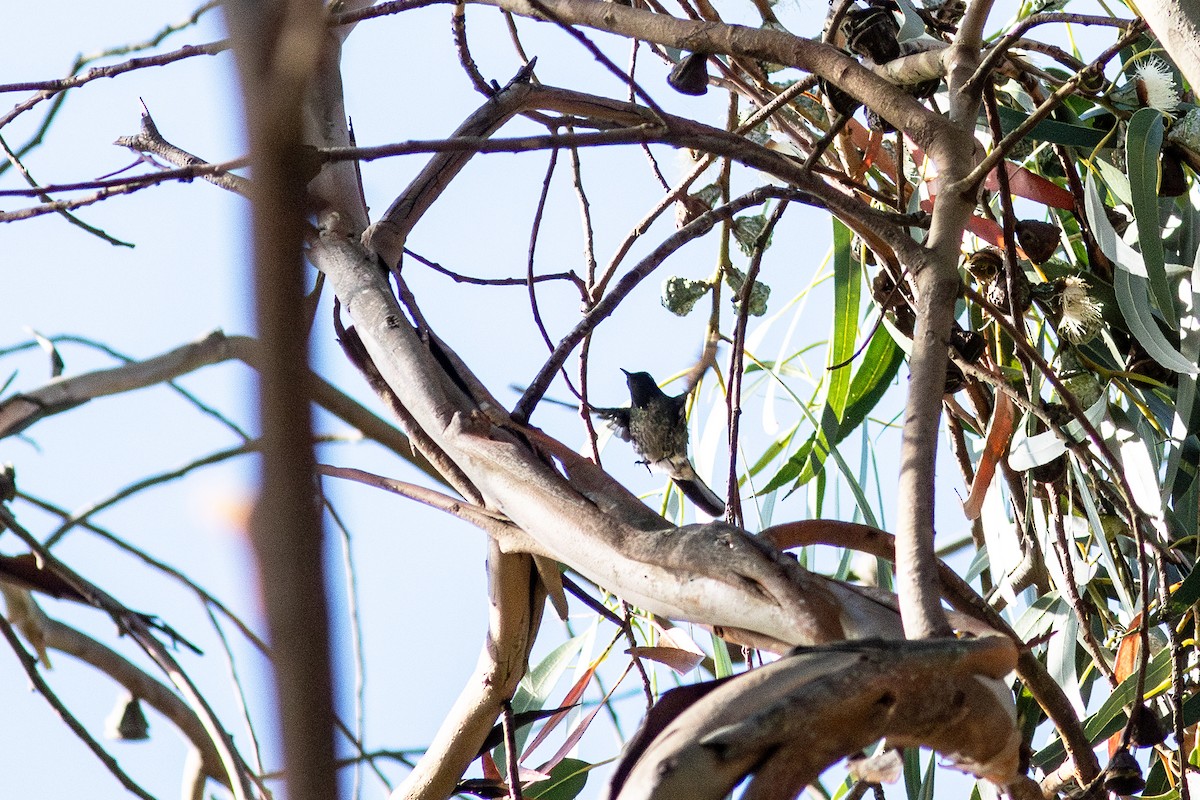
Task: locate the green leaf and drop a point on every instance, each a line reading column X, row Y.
column 1184, row 597
column 1049, row 130
column 1183, row 455
column 880, row 363
column 773, row 450
column 567, row 780
column 1107, row 558
column 1110, row 717
column 722, row 664
column 1115, row 180
column 847, row 289
column 1133, row 300
column 1143, row 147
column 1026, row 452
column 791, row 470
column 536, row 686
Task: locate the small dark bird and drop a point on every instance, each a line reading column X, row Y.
column 656, row 425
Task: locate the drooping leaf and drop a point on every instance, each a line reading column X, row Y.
column 1143, row 148
column 1107, row 557
column 1183, row 447
column 1132, row 298
column 56, row 361
column 535, row 687
column 847, row 289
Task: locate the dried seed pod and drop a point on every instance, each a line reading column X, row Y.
column 969, row 345
column 127, row 722
column 1118, row 220
column 1124, row 774
column 1171, row 182
column 985, row 264
column 996, row 291
column 842, row 102
column 926, row 90
column 871, row 32
column 905, row 319
column 688, row 208
column 956, row 380
column 1145, row 729
column 884, row 291
column 690, row 75
column 1039, row 240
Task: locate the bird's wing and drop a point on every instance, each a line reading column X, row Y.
column 618, row 420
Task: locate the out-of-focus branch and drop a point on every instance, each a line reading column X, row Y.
column 280, row 46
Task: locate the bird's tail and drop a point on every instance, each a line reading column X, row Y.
column 697, row 491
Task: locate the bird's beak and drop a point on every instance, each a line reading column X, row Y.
column 627, row 372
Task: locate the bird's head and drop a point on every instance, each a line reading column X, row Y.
column 642, row 387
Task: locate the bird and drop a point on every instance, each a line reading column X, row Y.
column 655, row 423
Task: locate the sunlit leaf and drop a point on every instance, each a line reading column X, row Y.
column 1100, row 535
column 1027, row 452
column 1129, row 283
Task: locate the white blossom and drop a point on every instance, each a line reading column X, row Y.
column 1158, row 83
column 1081, row 317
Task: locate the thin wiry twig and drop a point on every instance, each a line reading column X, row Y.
column 47, row 89
column 200, row 405
column 737, row 367
column 535, row 227
column 83, row 60
column 350, row 575
column 239, row 690
column 151, row 481
column 43, row 688
column 457, row 277
column 15, row 161
column 136, row 626
column 207, row 598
